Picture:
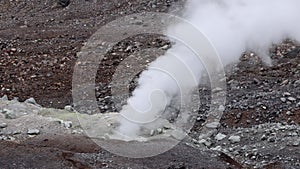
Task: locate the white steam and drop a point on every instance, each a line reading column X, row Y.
column 233, row 27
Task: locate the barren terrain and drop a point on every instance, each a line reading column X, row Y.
column 39, row 42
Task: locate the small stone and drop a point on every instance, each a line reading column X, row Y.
column 3, row 137
column 213, row 125
column 167, row 126
column 159, row 130
column 234, row 139
column 218, row 148
column 69, row 108
column 152, row 132
column 3, row 125
column 33, row 131
column 296, row 143
column 221, row 108
column 13, row 49
column 271, row 139
column 5, row 98
column 9, row 114
column 67, row 124
column 31, row 101
column 291, row 99
column 220, row 136
column 16, row 132
column 289, row 113
column 297, row 82
column 287, row 94
column 165, row 47
column 205, row 142
column 10, row 138
column 198, row 119
column 78, row 131
column 283, row 99
column 285, row 82
column 263, row 137
column 217, row 90
column 256, row 81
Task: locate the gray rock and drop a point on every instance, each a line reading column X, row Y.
column 159, row 131
column 5, row 98
column 31, row 101
column 289, row 113
column 283, row 99
column 296, row 143
column 9, row 114
column 291, row 99
column 263, row 137
column 272, row 139
column 152, row 132
column 205, row 142
column 220, row 136
column 297, row 82
column 217, row 90
column 10, row 138
column 3, row 137
column 33, row 131
column 3, row 125
column 221, row 108
column 234, row 139
column 67, row 124
column 69, row 108
column 16, row 132
column 212, row 125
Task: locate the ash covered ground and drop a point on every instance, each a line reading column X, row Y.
column 39, row 41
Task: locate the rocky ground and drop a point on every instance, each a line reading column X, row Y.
column 39, row 41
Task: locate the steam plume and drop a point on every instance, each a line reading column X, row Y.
column 233, row 27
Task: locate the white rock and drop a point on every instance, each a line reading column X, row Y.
column 283, row 99
column 291, row 99
column 220, row 136
column 159, row 130
column 205, row 142
column 33, row 131
column 218, row 148
column 31, row 101
column 152, row 132
column 67, row 124
column 3, row 125
column 217, row 89
column 234, row 139
column 2, row 137
column 68, row 108
column 212, row 125
column 296, row 143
